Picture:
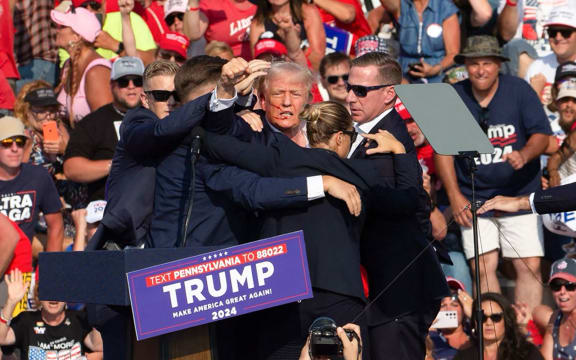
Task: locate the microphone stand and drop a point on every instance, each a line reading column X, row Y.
column 469, row 156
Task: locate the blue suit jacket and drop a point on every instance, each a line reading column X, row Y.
column 389, row 245
column 556, row 199
column 144, row 140
column 332, row 235
column 224, row 197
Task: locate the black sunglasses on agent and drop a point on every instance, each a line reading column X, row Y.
column 333, row 79
column 124, row 81
column 162, row 95
column 556, row 285
column 352, row 133
column 362, row 91
column 19, row 140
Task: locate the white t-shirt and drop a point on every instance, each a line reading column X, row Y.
column 532, row 16
column 546, row 66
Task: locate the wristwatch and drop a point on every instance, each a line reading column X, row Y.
column 120, row 48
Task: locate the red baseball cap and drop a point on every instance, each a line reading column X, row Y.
column 269, row 46
column 455, row 284
column 175, row 42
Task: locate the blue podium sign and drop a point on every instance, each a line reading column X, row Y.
column 218, row 285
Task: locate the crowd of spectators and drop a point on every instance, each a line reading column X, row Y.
column 84, row 83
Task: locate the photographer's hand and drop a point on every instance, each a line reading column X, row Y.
column 352, row 349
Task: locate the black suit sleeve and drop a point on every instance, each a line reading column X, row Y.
column 145, row 135
column 556, row 199
column 254, row 192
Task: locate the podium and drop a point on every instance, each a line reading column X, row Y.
column 99, row 277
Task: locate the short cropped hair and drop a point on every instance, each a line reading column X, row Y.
column 333, row 59
column 292, row 70
column 389, row 69
column 196, row 71
column 157, row 68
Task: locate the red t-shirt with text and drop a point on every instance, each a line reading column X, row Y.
column 229, row 22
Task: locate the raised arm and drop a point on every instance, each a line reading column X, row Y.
column 128, row 39
column 341, row 11
column 195, row 21
column 508, row 20
column 16, row 290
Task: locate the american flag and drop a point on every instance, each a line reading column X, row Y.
column 36, row 353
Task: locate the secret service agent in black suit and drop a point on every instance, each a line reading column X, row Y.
column 331, row 234
column 553, row 200
column 396, row 253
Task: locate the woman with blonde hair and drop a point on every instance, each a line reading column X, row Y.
column 85, row 82
column 332, row 231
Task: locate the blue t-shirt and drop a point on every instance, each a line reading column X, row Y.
column 514, row 114
column 424, row 41
column 21, row 198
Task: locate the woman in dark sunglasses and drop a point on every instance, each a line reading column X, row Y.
column 503, row 339
column 559, row 342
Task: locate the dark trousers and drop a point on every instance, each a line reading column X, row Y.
column 114, row 324
column 281, row 332
column 403, row 338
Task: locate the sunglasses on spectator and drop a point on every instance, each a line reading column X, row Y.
column 362, row 91
column 124, row 81
column 43, row 111
column 168, row 55
column 333, row 79
column 496, row 318
column 19, row 140
column 566, row 33
column 352, row 133
column 556, row 285
column 163, row 95
column 172, row 17
column 93, row 4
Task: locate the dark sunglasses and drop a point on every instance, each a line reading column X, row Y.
column 557, row 285
column 167, row 55
column 93, row 4
column 163, row 95
column 124, row 81
column 19, row 140
column 353, row 134
column 172, row 17
column 333, row 79
column 496, row 318
column 362, row 91
column 566, row 33
column 483, row 119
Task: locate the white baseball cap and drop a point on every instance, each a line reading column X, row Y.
column 172, row 6
column 95, row 211
column 563, row 15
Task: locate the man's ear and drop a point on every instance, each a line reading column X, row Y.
column 262, row 100
column 144, row 100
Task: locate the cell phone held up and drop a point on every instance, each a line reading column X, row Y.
column 446, row 320
column 50, row 131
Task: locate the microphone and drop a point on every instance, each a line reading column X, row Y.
column 197, row 136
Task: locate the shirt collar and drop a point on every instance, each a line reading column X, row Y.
column 366, row 127
column 302, row 130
